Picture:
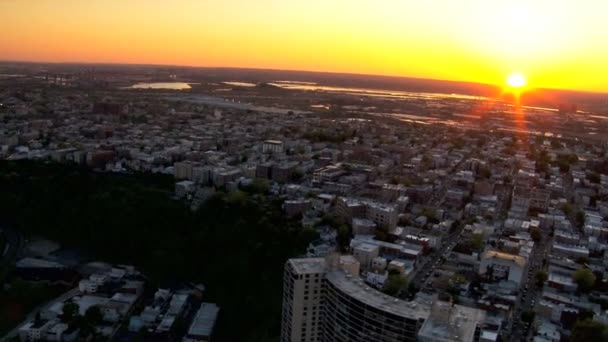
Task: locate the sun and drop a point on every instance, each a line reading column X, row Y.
column 517, row 80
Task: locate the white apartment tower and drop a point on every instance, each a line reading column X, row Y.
column 302, row 292
column 325, row 300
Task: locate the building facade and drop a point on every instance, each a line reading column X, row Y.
column 324, row 303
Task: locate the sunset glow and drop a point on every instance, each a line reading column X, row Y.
column 516, row 80
column 556, row 43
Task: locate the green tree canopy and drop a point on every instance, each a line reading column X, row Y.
column 584, row 278
column 541, row 277
column 395, row 284
column 528, row 316
column 70, row 311
column 131, row 219
column 580, row 218
column 536, row 234
column 588, row 330
column 93, row 315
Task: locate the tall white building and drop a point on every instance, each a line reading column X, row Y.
column 324, row 300
column 324, row 303
column 302, row 290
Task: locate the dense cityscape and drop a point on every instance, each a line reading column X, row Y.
column 418, row 216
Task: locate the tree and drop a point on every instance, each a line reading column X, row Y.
column 485, row 173
column 395, row 284
column 556, row 144
column 580, row 218
column 527, row 316
column 93, row 315
column 70, row 311
column 258, row 186
column 430, row 214
column 584, row 278
column 412, row 289
column 393, row 271
column 458, row 279
column 132, row 219
column 567, row 209
column 455, row 226
column 37, row 319
column 536, row 234
column 477, row 242
column 296, row 175
column 541, row 277
column 455, row 283
column 588, row 330
column 343, row 237
column 453, row 290
column 582, row 260
column 564, row 162
column 142, row 335
column 594, row 177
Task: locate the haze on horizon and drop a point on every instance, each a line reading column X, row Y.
column 556, row 44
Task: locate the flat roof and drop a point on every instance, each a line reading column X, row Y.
column 37, row 263
column 357, row 289
column 204, row 321
column 489, row 335
column 85, row 302
column 519, row 260
column 458, row 325
column 367, row 247
column 308, row 265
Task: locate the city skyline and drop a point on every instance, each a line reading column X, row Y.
column 551, row 43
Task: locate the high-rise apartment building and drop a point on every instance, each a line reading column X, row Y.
column 354, row 312
column 302, row 292
column 323, row 301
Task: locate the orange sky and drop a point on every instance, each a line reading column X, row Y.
column 555, row 43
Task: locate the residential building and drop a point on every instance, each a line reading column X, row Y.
column 502, row 266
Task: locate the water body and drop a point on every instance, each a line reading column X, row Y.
column 391, row 94
column 240, row 84
column 161, row 85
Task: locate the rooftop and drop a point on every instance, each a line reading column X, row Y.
column 308, row 265
column 452, row 322
column 203, row 322
column 520, row 261
column 357, row 289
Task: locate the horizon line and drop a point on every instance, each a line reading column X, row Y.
column 4, row 61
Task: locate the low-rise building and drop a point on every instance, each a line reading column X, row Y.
column 496, row 265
